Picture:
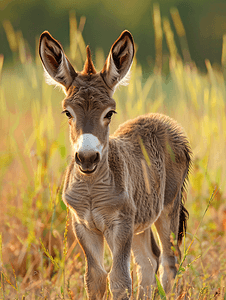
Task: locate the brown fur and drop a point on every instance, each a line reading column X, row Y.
column 114, row 192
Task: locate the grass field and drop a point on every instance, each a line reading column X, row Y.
column 39, row 257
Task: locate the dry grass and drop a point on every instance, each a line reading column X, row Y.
column 39, row 258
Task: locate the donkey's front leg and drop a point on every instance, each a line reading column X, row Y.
column 119, row 238
column 92, row 244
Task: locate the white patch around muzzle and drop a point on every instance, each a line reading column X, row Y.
column 88, row 143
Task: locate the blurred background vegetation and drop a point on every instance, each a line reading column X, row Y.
column 179, row 70
column 204, row 22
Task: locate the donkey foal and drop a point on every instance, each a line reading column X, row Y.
column 113, row 192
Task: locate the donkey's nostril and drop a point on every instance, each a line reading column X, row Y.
column 79, row 158
column 97, row 158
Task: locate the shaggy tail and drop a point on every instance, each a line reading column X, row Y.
column 183, row 217
column 182, row 223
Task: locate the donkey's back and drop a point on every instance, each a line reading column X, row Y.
column 156, row 153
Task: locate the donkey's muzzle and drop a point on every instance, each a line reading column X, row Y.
column 87, row 161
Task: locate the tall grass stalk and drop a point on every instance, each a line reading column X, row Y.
column 35, row 145
column 158, row 37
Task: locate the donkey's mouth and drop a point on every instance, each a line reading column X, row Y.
column 88, row 171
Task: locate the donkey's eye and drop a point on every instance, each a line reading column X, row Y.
column 109, row 114
column 67, row 113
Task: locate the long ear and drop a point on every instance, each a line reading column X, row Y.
column 119, row 60
column 55, row 61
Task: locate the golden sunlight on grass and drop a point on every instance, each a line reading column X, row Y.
column 39, row 257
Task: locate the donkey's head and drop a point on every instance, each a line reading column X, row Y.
column 88, row 103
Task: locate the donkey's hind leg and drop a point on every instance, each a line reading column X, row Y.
column 168, row 223
column 146, row 254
